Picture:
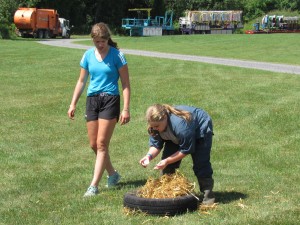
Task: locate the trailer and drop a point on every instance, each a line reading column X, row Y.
column 160, row 25
column 276, row 24
column 41, row 23
column 210, row 22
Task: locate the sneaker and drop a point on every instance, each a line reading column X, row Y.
column 91, row 191
column 113, row 180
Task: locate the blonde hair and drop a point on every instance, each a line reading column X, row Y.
column 101, row 30
column 158, row 112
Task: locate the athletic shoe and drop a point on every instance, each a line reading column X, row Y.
column 113, row 180
column 91, row 191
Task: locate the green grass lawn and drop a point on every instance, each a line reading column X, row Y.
column 277, row 48
column 47, row 165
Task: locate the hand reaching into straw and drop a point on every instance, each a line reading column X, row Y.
column 161, row 165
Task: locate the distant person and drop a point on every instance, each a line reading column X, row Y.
column 105, row 64
column 180, row 131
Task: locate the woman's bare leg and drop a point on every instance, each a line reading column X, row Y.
column 100, row 133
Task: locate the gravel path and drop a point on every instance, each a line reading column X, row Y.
column 280, row 68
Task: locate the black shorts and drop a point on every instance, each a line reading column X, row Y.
column 102, row 107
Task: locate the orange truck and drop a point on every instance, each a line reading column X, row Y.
column 41, row 23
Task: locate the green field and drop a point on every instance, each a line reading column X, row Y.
column 47, row 165
column 277, row 48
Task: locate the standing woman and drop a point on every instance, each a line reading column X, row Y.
column 180, row 131
column 105, row 64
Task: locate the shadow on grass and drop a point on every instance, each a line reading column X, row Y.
column 131, row 184
column 226, row 197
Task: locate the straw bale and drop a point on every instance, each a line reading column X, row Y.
column 167, row 186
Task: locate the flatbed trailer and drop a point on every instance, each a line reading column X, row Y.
column 158, row 26
column 210, row 22
column 276, row 24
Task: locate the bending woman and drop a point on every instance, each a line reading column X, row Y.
column 180, row 131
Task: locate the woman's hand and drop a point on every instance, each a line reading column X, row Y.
column 124, row 117
column 71, row 112
column 145, row 161
column 161, row 165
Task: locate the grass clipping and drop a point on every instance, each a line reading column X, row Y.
column 167, row 186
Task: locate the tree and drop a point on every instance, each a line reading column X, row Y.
column 84, row 13
column 7, row 10
column 291, row 5
column 158, row 7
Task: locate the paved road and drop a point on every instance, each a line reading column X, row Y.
column 280, row 68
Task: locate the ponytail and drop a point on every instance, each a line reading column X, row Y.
column 181, row 113
column 158, row 112
column 113, row 43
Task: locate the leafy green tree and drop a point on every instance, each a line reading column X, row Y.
column 110, row 12
column 7, row 10
column 291, row 5
column 84, row 13
column 158, row 7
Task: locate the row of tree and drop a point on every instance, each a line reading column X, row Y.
column 84, row 13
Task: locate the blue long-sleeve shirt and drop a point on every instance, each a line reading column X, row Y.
column 186, row 132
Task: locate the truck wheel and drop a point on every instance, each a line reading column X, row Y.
column 47, row 35
column 40, row 34
column 67, row 35
column 162, row 207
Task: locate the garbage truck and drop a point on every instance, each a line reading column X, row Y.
column 41, row 23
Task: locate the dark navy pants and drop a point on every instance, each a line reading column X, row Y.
column 201, row 157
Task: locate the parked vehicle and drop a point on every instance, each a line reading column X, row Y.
column 160, row 25
column 210, row 22
column 41, row 23
column 276, row 24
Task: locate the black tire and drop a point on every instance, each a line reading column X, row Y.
column 164, row 206
column 47, row 34
column 68, row 35
column 40, row 34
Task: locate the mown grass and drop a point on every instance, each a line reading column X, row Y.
column 277, row 48
column 47, row 165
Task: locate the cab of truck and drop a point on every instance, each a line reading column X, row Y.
column 65, row 28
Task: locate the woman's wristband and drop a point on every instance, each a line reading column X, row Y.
column 150, row 156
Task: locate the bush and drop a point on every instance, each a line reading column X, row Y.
column 4, row 31
column 7, row 31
